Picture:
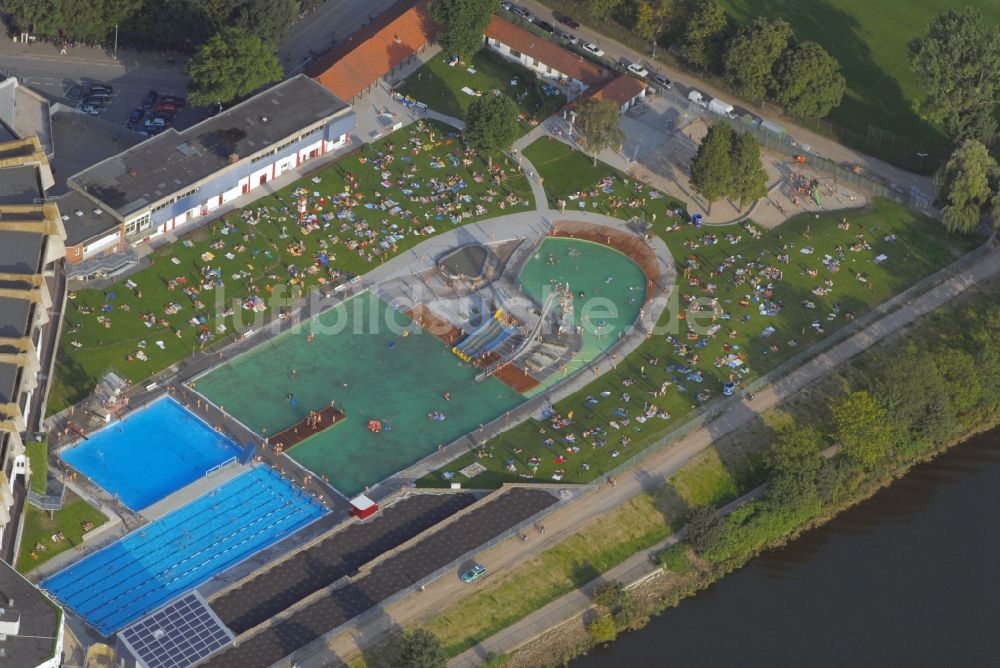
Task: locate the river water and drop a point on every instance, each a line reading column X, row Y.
column 909, row 578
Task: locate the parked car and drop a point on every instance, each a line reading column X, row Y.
column 569, row 21
column 73, row 92
column 99, row 102
column 546, row 26
column 150, row 100
column 174, row 100
column 151, row 130
column 522, row 12
column 135, row 117
column 98, row 95
column 99, row 86
column 638, row 70
column 166, row 116
column 165, row 106
column 594, row 49
column 90, row 109
column 569, row 37
column 474, row 573
column 506, row 6
column 662, row 81
column 156, row 121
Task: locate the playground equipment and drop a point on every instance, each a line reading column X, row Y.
column 485, row 338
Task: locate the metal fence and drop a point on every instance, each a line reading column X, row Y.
column 787, row 145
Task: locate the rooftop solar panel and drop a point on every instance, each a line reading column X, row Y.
column 177, row 635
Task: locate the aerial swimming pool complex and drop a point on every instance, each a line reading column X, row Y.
column 153, row 564
column 152, row 453
column 373, row 372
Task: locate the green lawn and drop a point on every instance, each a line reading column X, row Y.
column 869, row 39
column 432, row 185
column 504, row 597
column 440, row 85
column 38, row 458
column 705, row 481
column 736, row 343
column 38, row 528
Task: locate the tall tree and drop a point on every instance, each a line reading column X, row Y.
column 712, row 166
column 599, row 126
column 792, row 462
column 650, row 19
column 416, row 649
column 958, row 64
column 464, row 22
column 704, row 35
column 704, row 528
column 749, row 176
column 95, row 20
column 807, row 80
column 963, row 186
column 862, row 428
column 916, row 396
column 38, row 17
column 491, row 124
column 268, row 19
column 751, row 56
column 603, row 8
column 230, row 65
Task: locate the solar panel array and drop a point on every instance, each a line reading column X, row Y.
column 177, row 635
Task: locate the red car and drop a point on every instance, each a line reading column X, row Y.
column 569, row 21
column 169, row 107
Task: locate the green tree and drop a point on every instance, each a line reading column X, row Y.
column 712, row 166
column 808, row 81
column 491, row 124
column 792, row 462
column 961, row 378
column 650, row 18
column 598, row 123
column 963, row 186
column 749, row 176
column 464, row 22
column 230, row 65
column 916, row 396
column 862, row 428
column 704, row 36
column 750, row 59
column 38, row 17
column 603, row 8
column 416, row 649
column 958, row 64
column 95, row 20
column 608, row 595
column 602, row 629
column 704, row 528
column 268, row 19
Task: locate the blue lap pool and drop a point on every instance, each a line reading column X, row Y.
column 155, row 563
column 152, row 453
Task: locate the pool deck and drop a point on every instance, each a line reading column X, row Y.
column 301, row 430
column 192, row 491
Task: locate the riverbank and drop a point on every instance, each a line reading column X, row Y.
column 694, row 572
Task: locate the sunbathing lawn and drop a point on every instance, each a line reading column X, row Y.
column 194, row 291
column 506, row 596
column 760, row 321
column 440, row 85
column 38, row 460
column 38, row 528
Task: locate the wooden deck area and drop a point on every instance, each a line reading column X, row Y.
column 302, row 430
column 435, row 324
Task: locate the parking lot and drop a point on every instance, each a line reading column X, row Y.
column 124, row 99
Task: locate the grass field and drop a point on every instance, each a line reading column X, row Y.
column 869, row 39
column 440, row 85
column 38, row 458
column 704, row 481
column 194, row 291
column 775, row 293
column 39, row 529
column 506, row 597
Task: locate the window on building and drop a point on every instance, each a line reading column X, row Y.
column 515, row 54
column 140, row 223
column 534, row 61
